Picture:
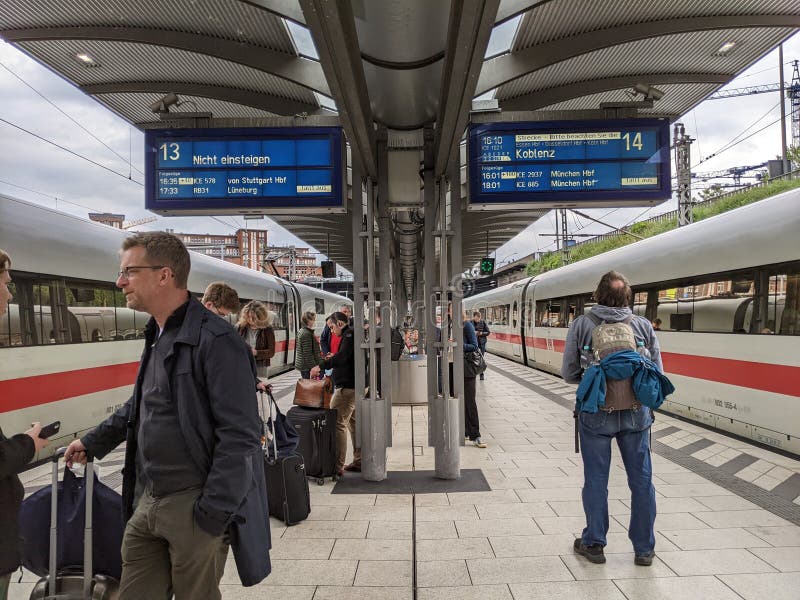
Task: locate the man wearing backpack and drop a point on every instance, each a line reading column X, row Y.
column 608, row 329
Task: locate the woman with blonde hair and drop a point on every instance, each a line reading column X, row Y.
column 255, row 326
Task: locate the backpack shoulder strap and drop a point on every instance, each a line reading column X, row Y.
column 595, row 319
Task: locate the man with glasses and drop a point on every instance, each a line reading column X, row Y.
column 221, row 299
column 194, row 475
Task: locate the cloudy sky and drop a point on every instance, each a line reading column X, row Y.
column 38, row 103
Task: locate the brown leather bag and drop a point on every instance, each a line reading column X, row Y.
column 313, row 393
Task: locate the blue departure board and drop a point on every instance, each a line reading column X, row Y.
column 230, row 171
column 574, row 163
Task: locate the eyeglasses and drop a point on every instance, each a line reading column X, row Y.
column 222, row 312
column 128, row 271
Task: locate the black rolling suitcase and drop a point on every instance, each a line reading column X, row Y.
column 287, row 486
column 74, row 583
column 317, row 429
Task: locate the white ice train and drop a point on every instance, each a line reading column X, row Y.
column 727, row 292
column 69, row 349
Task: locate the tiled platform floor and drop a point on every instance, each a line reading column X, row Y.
column 515, row 541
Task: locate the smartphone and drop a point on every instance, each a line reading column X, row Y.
column 48, row 430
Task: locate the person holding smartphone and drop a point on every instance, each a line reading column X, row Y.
column 15, row 453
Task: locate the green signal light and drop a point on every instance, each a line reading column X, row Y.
column 487, row 266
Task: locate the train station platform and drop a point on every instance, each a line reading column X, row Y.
column 728, row 524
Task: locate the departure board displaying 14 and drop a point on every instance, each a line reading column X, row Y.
column 569, row 163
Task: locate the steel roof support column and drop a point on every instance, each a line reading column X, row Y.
column 370, row 419
column 444, row 415
column 333, row 29
column 468, row 32
column 377, row 406
column 388, row 289
column 457, row 293
column 357, row 228
column 427, row 324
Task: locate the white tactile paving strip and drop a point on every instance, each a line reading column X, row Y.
column 514, row 542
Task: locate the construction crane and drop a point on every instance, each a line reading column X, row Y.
column 735, row 172
column 141, row 221
column 792, row 92
column 766, row 88
column 794, row 103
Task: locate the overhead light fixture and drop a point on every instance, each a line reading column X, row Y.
column 725, row 48
column 87, row 59
column 162, row 105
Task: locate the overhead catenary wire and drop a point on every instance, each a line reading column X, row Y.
column 56, row 198
column 59, row 109
column 725, row 149
column 65, row 149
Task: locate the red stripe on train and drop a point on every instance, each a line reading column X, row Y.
column 779, row 379
column 25, row 392
column 52, row 387
column 531, row 342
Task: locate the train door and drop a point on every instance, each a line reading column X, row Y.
column 292, row 322
column 516, row 346
column 526, row 320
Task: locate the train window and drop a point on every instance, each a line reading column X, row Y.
column 640, row 303
column 783, row 306
column 497, row 315
column 718, row 305
column 572, row 307
column 319, row 306
column 278, row 315
column 548, row 313
column 587, row 304
column 9, row 323
column 94, row 310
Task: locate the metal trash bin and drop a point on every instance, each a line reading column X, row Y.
column 410, row 380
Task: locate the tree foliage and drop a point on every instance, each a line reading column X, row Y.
column 647, row 229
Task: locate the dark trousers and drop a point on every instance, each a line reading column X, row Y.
column 472, row 427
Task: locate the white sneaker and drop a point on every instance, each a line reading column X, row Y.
column 479, row 443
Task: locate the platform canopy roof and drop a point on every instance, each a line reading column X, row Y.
column 401, row 64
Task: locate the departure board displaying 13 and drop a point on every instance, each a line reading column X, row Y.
column 230, row 171
column 569, row 163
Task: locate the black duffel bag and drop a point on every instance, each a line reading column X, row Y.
column 474, row 364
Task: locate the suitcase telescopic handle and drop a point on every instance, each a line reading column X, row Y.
column 271, row 419
column 87, row 532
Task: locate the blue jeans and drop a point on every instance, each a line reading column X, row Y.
column 631, row 428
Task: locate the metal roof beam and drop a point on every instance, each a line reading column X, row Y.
column 554, row 95
column 511, row 8
column 470, row 26
column 259, row 100
column 301, row 71
column 288, row 9
column 508, row 67
column 333, row 29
